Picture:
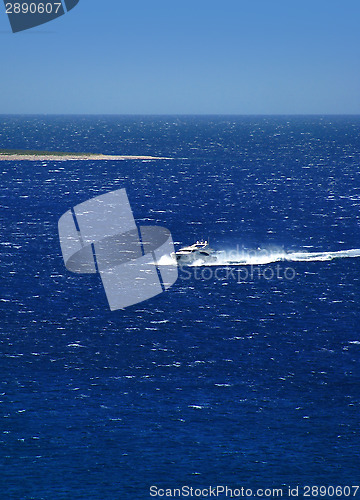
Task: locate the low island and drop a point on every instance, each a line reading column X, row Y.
column 21, row 155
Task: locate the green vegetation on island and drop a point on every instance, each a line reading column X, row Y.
column 28, row 152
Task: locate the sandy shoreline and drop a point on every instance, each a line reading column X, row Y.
column 66, row 157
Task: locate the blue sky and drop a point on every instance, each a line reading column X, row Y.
column 188, row 57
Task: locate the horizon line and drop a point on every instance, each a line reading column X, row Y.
column 182, row 114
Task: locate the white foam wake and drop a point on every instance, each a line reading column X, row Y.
column 264, row 256
column 261, row 257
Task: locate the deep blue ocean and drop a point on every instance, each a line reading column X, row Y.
column 248, row 383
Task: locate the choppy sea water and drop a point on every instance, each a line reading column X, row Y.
column 239, row 375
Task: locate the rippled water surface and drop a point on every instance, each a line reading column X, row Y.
column 246, row 375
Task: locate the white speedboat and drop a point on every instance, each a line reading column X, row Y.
column 199, row 251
